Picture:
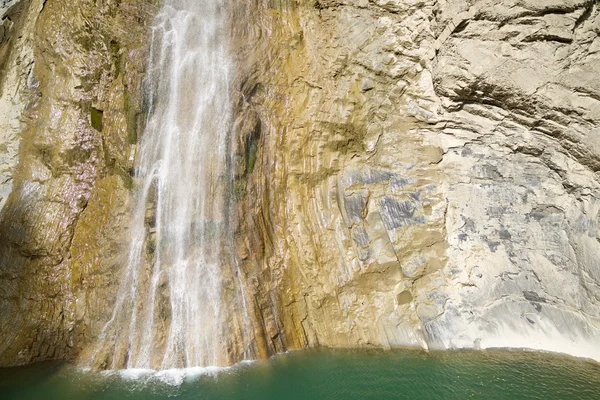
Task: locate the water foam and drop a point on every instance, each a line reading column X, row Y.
column 171, row 376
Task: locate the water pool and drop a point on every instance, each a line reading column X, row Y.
column 328, row 374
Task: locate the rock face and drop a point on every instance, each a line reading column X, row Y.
column 15, row 67
column 73, row 74
column 426, row 173
column 408, row 172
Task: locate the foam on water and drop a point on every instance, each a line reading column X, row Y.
column 172, row 376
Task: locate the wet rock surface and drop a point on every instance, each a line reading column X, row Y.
column 15, row 66
column 77, row 68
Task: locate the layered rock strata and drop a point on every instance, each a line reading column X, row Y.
column 15, row 67
column 426, row 173
column 73, row 76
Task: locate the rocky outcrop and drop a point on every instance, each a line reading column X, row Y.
column 426, row 173
column 74, row 76
column 15, row 69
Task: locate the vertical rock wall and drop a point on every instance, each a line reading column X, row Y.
column 16, row 57
column 422, row 173
column 78, row 67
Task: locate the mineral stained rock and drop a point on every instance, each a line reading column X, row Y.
column 408, row 172
column 72, row 77
column 426, row 173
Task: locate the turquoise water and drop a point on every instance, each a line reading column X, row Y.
column 330, row 374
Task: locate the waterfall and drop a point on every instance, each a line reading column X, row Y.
column 179, row 298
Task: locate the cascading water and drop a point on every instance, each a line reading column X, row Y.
column 178, row 302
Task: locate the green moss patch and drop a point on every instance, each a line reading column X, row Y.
column 97, row 117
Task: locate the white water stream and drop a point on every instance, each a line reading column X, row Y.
column 169, row 311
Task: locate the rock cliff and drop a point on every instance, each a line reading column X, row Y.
column 426, row 173
column 408, row 172
column 71, row 84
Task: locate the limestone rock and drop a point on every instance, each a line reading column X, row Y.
column 16, row 61
column 73, row 76
column 427, row 174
